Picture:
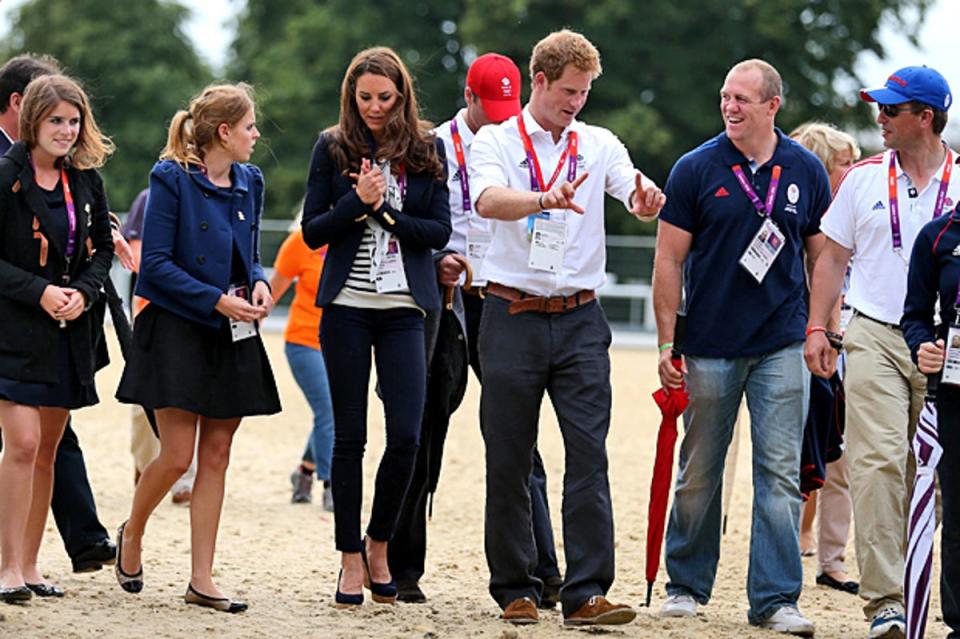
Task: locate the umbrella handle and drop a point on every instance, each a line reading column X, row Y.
column 468, row 281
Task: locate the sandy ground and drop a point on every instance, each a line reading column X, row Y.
column 280, row 557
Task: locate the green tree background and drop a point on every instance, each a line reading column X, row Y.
column 663, row 60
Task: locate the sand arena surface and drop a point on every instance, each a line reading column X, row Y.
column 280, row 557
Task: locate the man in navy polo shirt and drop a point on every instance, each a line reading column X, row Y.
column 743, row 211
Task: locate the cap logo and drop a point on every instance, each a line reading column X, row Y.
column 506, row 86
column 899, row 81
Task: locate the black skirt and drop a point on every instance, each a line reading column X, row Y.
column 177, row 363
column 68, row 393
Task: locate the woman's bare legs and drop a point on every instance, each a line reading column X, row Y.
column 52, row 423
column 213, row 457
column 177, row 433
column 21, row 441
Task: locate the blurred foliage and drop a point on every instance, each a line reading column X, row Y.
column 664, row 62
column 135, row 63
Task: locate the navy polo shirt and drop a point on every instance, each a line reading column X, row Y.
column 729, row 314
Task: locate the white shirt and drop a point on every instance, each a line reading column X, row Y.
column 859, row 219
column 498, row 159
column 461, row 221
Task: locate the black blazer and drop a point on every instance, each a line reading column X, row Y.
column 333, row 214
column 30, row 339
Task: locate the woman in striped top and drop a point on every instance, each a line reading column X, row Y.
column 377, row 195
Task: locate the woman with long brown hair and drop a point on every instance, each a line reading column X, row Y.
column 55, row 254
column 377, row 195
column 198, row 360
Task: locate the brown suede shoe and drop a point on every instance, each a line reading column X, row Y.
column 598, row 611
column 521, row 611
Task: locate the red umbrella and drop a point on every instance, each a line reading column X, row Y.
column 672, row 403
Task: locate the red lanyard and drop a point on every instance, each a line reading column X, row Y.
column 68, row 201
column 895, row 206
column 533, row 163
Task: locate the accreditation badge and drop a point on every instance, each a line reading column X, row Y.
column 547, row 244
column 951, row 363
column 241, row 330
column 763, row 250
column 390, row 275
column 477, row 244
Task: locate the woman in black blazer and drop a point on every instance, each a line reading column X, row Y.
column 377, row 194
column 55, row 254
column 197, row 358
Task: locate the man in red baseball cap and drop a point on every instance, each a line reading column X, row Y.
column 492, row 95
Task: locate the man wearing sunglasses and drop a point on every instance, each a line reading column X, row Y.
column 877, row 212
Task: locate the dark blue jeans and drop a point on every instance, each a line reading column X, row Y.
column 395, row 336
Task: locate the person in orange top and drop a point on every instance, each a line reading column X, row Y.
column 296, row 261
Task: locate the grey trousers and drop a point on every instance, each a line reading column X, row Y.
column 566, row 355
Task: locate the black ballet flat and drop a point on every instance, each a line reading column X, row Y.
column 15, row 595
column 344, row 600
column 384, row 592
column 223, row 604
column 843, row 586
column 130, row 583
column 46, row 590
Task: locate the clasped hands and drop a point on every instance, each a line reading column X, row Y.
column 371, row 184
column 239, row 309
column 62, row 303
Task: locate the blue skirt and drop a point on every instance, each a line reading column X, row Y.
column 67, row 393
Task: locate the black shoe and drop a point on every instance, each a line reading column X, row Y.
column 223, row 604
column 344, row 600
column 409, row 592
column 550, row 596
column 15, row 595
column 380, row 592
column 45, row 590
column 844, row 586
column 93, row 558
column 131, row 583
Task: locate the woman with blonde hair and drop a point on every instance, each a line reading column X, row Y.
column 198, row 360
column 55, row 254
column 838, row 151
column 377, row 195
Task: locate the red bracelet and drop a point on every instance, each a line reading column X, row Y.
column 816, row 329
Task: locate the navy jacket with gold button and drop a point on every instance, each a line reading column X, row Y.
column 190, row 228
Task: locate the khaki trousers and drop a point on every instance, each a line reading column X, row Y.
column 884, row 393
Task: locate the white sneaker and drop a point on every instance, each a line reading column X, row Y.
column 679, row 606
column 790, row 620
column 887, row 624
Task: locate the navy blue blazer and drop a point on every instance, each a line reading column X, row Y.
column 189, row 230
column 333, row 214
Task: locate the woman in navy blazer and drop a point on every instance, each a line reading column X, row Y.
column 377, row 194
column 55, row 254
column 197, row 359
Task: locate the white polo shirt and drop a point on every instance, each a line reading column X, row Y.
column 859, row 219
column 462, row 221
column 498, row 159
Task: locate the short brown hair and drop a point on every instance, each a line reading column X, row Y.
column 552, row 55
column 772, row 86
column 43, row 94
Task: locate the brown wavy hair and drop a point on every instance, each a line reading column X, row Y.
column 43, row 94
column 407, row 138
column 194, row 129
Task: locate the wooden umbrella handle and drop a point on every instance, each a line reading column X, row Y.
column 468, row 283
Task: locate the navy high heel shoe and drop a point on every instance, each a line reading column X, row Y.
column 344, row 600
column 379, row 592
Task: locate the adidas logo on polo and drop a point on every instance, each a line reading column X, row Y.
column 956, row 251
column 721, row 192
column 878, row 206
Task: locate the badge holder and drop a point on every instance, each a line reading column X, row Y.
column 951, row 361
column 241, row 330
column 764, row 248
column 390, row 275
column 548, row 239
column 477, row 244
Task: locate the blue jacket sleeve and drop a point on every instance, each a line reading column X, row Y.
column 430, row 228
column 326, row 220
column 922, row 289
column 160, row 226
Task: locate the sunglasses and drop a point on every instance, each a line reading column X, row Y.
column 893, row 110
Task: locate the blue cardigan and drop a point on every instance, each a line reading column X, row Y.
column 189, row 231
column 333, row 214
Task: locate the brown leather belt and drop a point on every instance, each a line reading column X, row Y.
column 524, row 302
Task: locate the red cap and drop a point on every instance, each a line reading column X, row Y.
column 495, row 79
